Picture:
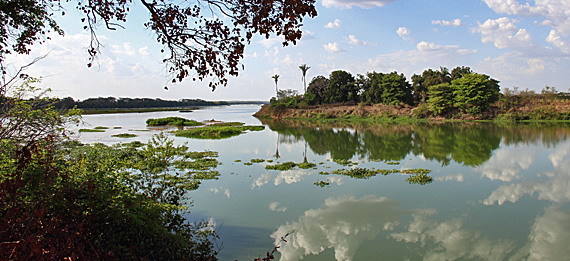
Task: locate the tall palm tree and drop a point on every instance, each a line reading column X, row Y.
column 444, row 75
column 276, row 77
column 304, row 68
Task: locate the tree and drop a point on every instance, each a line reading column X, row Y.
column 392, row 88
column 317, row 87
column 205, row 37
column 474, row 93
column 341, row 88
column 304, row 68
column 276, row 78
column 440, row 98
column 429, row 77
column 458, row 72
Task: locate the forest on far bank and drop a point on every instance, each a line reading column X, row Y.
column 457, row 94
column 112, row 102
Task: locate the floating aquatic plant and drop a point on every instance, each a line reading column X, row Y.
column 421, row 179
column 322, row 183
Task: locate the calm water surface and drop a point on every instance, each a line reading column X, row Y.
column 498, row 192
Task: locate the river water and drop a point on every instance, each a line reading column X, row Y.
column 498, row 192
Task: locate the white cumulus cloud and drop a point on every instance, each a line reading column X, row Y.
column 403, row 32
column 333, row 48
column 355, row 41
column 334, row 24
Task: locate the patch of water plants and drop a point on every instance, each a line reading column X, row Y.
column 172, row 121
column 306, row 165
column 421, row 179
column 216, row 132
column 257, row 160
column 322, row 183
column 420, row 175
column 124, row 135
column 283, row 166
column 91, row 130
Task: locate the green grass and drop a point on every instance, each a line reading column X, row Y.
column 172, row 121
column 91, row 130
column 101, row 128
column 124, row 135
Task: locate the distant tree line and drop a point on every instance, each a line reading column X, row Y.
column 438, row 91
column 112, row 102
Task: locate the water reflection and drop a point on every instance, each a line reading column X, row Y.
column 467, row 144
column 343, row 224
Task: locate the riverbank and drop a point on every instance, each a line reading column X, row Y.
column 532, row 110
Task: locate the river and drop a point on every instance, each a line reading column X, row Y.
column 498, row 191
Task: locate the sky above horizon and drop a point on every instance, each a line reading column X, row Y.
column 524, row 44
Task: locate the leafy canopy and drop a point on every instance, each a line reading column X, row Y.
column 201, row 39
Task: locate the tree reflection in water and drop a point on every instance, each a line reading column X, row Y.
column 470, row 144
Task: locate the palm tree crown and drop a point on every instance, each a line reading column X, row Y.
column 275, row 77
column 304, row 68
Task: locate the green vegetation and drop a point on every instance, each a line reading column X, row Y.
column 172, row 121
column 232, row 124
column 124, row 135
column 415, row 171
column 421, row 179
column 306, row 165
column 359, row 173
column 62, row 199
column 91, row 130
column 322, row 183
column 124, row 110
column 122, row 105
column 257, row 160
column 216, row 132
column 101, row 128
column 420, row 176
column 283, row 166
column 434, row 95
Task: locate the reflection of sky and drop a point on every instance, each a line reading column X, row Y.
column 342, row 225
column 291, row 176
column 553, row 186
column 506, row 164
column 345, row 223
column 550, row 236
column 451, row 240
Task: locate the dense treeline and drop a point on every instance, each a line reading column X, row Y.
column 439, row 91
column 112, row 102
column 459, row 93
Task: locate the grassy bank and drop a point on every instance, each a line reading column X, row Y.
column 531, row 108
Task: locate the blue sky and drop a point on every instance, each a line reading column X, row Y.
column 523, row 44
